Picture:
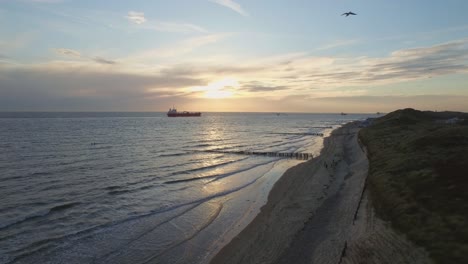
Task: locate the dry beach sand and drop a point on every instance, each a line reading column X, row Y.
column 319, row 212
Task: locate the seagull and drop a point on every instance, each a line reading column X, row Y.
column 348, row 13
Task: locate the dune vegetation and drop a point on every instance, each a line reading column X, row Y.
column 418, row 178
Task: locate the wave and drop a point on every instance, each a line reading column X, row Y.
column 103, row 147
column 64, row 206
column 82, row 234
column 196, row 231
column 208, row 140
column 288, row 142
column 189, row 161
column 214, row 156
column 218, row 176
column 38, row 214
column 13, row 177
column 208, row 167
column 112, row 187
column 40, row 173
column 246, row 169
column 34, row 215
column 220, row 150
column 182, row 163
column 200, row 145
column 173, row 154
column 118, row 192
column 191, row 179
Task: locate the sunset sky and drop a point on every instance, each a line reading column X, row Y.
column 233, row 55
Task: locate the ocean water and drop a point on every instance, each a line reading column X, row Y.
column 140, row 187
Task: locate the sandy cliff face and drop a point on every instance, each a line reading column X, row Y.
column 372, row 240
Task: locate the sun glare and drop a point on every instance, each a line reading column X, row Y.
column 217, row 94
column 219, row 89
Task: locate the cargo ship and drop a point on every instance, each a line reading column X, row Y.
column 173, row 113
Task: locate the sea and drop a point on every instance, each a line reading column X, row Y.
column 141, row 187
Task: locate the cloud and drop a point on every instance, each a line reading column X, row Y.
column 387, row 103
column 178, row 27
column 103, row 61
column 77, row 55
column 136, row 17
column 287, row 82
column 416, row 63
column 304, row 104
column 232, row 5
column 18, row 42
column 45, row 1
column 61, row 87
column 399, row 66
column 301, row 70
column 68, row 52
column 337, row 44
column 178, row 49
column 318, row 76
column 255, row 87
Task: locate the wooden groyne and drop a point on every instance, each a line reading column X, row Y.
column 291, row 155
column 298, row 134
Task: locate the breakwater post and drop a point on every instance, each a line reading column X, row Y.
column 292, row 155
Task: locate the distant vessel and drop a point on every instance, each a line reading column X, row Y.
column 343, row 113
column 173, row 113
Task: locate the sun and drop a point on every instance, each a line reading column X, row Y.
column 219, row 89
column 216, row 94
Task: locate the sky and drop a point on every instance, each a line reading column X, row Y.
column 233, row 55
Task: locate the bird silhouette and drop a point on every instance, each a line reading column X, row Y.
column 348, row 14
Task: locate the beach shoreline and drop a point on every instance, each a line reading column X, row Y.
column 319, row 212
column 292, row 202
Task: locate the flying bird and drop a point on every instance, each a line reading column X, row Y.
column 348, row 14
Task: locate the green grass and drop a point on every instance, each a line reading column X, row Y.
column 418, row 178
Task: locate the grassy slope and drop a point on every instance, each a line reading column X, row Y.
column 418, row 179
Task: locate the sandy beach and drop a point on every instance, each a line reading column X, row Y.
column 319, row 212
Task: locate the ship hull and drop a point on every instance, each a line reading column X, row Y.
column 183, row 114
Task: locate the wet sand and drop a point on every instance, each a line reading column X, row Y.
column 318, row 212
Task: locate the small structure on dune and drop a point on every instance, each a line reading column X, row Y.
column 453, row 121
column 450, row 121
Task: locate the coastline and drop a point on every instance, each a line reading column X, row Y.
column 318, row 212
column 292, row 202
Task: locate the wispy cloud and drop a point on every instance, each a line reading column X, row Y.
column 19, row 41
column 136, row 17
column 232, row 5
column 178, row 27
column 255, row 87
column 416, row 63
column 103, row 61
column 3, row 58
column 77, row 55
column 178, row 49
column 68, row 52
column 340, row 43
column 44, row 1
